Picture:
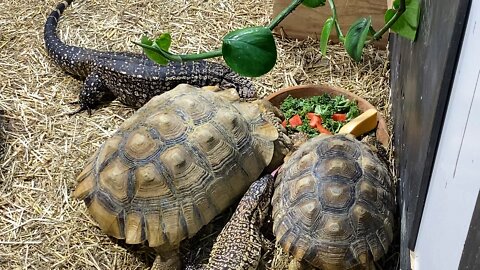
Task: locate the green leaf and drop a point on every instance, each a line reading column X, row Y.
column 327, row 29
column 356, row 37
column 250, row 52
column 407, row 24
column 396, row 4
column 151, row 54
column 164, row 41
column 313, row 3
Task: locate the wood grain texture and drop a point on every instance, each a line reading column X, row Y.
column 422, row 74
column 308, row 22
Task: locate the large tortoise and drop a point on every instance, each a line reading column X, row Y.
column 179, row 161
column 333, row 204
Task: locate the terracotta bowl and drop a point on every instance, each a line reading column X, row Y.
column 303, row 91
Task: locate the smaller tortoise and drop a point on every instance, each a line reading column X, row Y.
column 333, row 205
column 178, row 162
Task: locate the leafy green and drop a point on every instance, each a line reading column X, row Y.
column 323, row 105
column 307, row 129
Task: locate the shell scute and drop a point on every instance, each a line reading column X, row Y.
column 307, row 212
column 184, row 170
column 114, row 179
column 154, row 229
column 304, row 162
column 150, row 183
column 191, row 217
column 303, row 187
column 203, row 205
column 133, row 228
column 338, row 168
column 141, row 144
column 336, row 196
column 106, row 218
column 108, row 149
column 169, row 125
column 172, row 227
column 335, row 228
column 195, row 107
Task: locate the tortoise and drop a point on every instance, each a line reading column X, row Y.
column 333, row 204
column 178, row 162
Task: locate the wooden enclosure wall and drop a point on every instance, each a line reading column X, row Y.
column 422, row 74
column 308, row 22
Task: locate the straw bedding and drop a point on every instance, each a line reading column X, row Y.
column 41, row 226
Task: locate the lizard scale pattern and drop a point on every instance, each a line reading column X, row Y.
column 240, row 244
column 132, row 78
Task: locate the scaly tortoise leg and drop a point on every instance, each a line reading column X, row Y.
column 299, row 265
column 167, row 260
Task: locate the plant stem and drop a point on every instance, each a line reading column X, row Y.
column 200, row 56
column 217, row 53
column 282, row 15
column 335, row 21
column 400, row 11
column 182, row 57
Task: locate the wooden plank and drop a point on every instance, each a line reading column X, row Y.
column 308, row 22
column 454, row 184
column 422, row 75
column 470, row 256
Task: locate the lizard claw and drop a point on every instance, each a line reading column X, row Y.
column 81, row 109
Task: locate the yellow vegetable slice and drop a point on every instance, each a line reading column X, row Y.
column 362, row 124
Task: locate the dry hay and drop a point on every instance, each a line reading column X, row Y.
column 42, row 227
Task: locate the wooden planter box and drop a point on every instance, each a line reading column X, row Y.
column 308, row 22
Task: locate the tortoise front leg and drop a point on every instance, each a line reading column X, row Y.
column 299, row 265
column 167, row 259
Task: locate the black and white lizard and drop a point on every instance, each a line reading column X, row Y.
column 239, row 246
column 130, row 77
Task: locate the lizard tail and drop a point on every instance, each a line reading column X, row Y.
column 50, row 31
column 67, row 57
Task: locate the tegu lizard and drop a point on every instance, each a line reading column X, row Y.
column 240, row 243
column 131, row 78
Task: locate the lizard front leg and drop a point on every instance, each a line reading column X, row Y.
column 94, row 93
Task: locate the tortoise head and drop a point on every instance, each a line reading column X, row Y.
column 283, row 144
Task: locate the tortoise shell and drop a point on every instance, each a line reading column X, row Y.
column 333, row 204
column 175, row 164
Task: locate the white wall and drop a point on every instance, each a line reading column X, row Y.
column 455, row 181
